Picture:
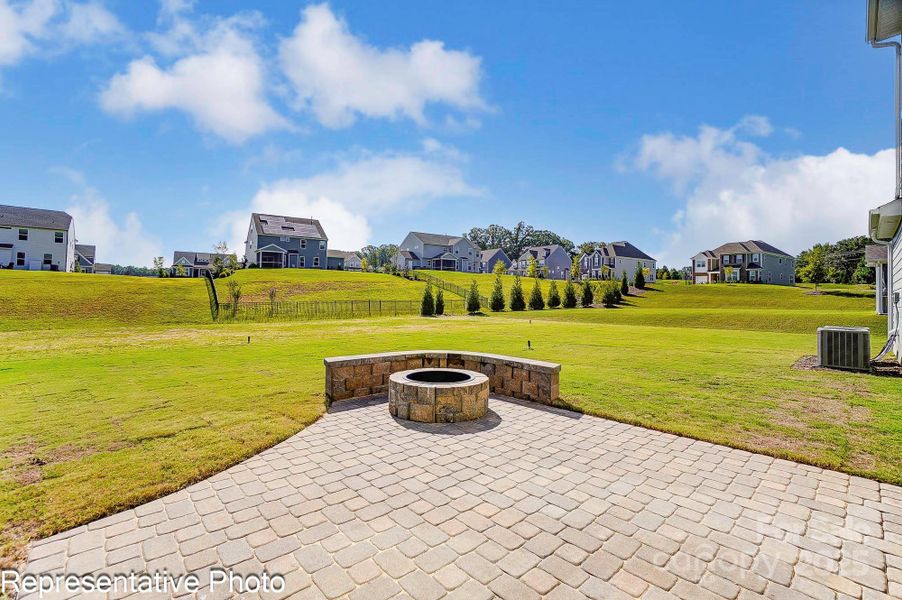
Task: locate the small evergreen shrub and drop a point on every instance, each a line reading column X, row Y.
column 473, row 302
column 427, row 308
column 496, row 302
column 588, row 296
column 569, row 295
column 609, row 295
column 554, row 297
column 640, row 279
column 517, row 300
column 624, row 286
column 440, row 302
column 536, row 301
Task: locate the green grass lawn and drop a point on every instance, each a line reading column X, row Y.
column 42, row 299
column 103, row 411
column 320, row 284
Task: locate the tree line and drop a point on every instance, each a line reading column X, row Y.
column 840, row 262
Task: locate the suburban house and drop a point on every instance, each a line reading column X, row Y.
column 876, row 257
column 611, row 261
column 885, row 228
column 752, row 261
column 103, row 268
column 341, row 260
column 437, row 251
column 84, row 255
column 489, row 257
column 553, row 261
column 36, row 239
column 196, row 264
column 276, row 242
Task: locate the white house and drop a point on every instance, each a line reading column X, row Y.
column 36, row 239
column 884, row 228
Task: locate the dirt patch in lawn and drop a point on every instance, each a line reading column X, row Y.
column 883, row 368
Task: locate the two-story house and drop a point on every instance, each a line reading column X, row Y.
column 553, row 261
column 276, row 242
column 612, row 260
column 752, row 261
column 85, row 255
column 36, row 239
column 342, row 260
column 489, row 257
column 437, row 251
column 196, row 264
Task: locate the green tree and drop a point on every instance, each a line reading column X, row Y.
column 536, row 301
column 816, row 270
column 158, row 265
column 439, row 302
column 863, row 273
column 639, row 280
column 588, row 296
column 473, row 302
column 77, row 266
column 499, row 268
column 517, row 301
column 609, row 292
column 427, row 307
column 728, row 273
column 496, row 302
column 574, row 269
column 180, row 270
column 624, row 285
column 569, row 295
column 234, row 295
column 532, row 270
column 364, row 264
column 554, row 297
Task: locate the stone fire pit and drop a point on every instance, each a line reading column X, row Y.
column 438, row 395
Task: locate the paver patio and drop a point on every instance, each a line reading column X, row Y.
column 527, row 502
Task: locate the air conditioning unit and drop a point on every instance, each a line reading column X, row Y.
column 844, row 348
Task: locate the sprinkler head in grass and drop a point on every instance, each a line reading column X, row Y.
column 529, row 344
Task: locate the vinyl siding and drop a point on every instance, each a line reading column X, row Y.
column 897, row 288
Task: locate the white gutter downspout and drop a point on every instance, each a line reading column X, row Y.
column 891, row 319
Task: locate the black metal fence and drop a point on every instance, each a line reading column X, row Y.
column 311, row 310
column 211, row 292
column 438, row 282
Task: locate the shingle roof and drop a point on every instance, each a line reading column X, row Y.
column 488, row 255
column 748, row 246
column 874, row 253
column 200, row 259
column 341, row 254
column 34, row 217
column 437, row 239
column 288, row 226
column 626, row 250
column 408, row 255
column 86, row 251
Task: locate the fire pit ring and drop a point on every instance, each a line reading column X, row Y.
column 438, row 395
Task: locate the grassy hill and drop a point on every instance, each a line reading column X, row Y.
column 45, row 300
column 485, row 281
column 320, row 284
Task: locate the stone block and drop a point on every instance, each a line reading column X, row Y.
column 426, row 395
column 363, row 371
column 530, row 390
column 422, row 413
column 342, row 372
column 398, row 365
column 414, row 363
column 381, row 368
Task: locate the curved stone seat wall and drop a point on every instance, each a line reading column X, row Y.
column 349, row 377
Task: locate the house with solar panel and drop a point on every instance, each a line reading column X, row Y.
column 280, row 242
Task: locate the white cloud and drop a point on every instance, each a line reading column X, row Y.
column 30, row 27
column 339, row 76
column 220, row 83
column 124, row 243
column 347, row 197
column 735, row 190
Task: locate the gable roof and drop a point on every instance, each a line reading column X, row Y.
column 534, row 251
column 287, row 226
column 491, row 253
column 34, row 217
column 624, row 249
column 437, row 239
column 86, row 252
column 199, row 259
column 341, row 254
column 748, row 246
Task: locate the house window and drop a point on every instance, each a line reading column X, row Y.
column 756, row 258
column 781, row 261
column 23, row 235
column 58, row 237
column 48, row 259
column 322, row 244
column 284, row 238
column 20, row 259
column 301, row 261
column 303, row 243
column 315, row 261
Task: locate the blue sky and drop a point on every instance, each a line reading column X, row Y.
column 677, row 126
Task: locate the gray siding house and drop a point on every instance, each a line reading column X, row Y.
column 277, row 242
column 85, row 255
column 36, row 239
column 553, row 261
column 752, row 261
column 611, row 261
column 437, row 251
column 341, row 260
column 489, row 257
column 195, row 264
